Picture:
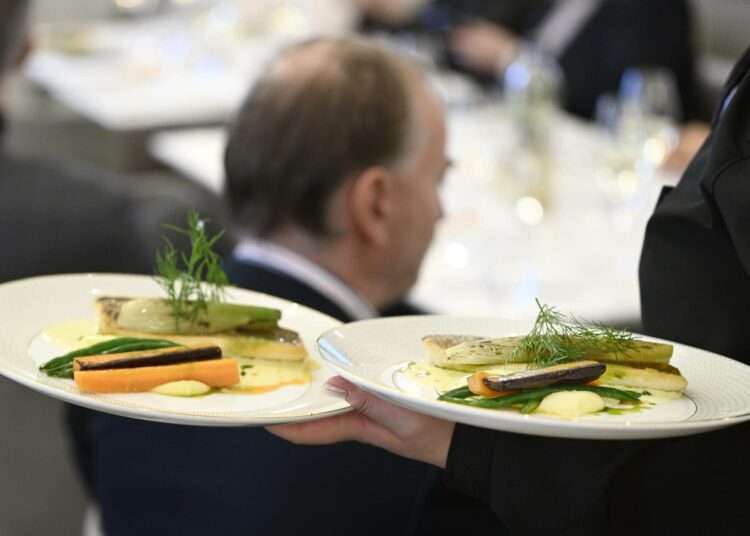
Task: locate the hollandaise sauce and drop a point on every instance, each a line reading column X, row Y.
column 257, row 376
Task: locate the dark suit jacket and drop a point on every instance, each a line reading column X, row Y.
column 695, row 287
column 167, row 479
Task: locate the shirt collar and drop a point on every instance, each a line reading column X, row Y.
column 285, row 261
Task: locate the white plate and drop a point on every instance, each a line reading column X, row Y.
column 28, row 306
column 371, row 354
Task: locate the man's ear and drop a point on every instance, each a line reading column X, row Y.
column 371, row 205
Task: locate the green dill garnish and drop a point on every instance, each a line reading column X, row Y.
column 190, row 282
column 556, row 339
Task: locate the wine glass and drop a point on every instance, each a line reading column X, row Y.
column 650, row 111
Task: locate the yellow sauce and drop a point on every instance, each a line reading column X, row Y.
column 435, row 377
column 565, row 404
column 256, row 375
column 446, row 379
column 73, row 334
column 264, row 375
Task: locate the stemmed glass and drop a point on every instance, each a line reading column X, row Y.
column 642, row 119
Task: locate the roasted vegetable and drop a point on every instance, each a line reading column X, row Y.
column 214, row 373
column 478, row 387
column 646, row 378
column 498, row 351
column 62, row 366
column 254, row 331
column 577, row 372
column 148, row 315
column 526, row 397
column 147, row 358
column 440, row 350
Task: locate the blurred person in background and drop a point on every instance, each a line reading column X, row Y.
column 69, row 216
column 333, row 165
column 63, row 216
column 695, row 286
column 594, row 41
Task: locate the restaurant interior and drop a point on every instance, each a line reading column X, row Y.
column 543, row 199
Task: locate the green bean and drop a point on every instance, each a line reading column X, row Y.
column 459, row 392
column 143, row 344
column 94, row 349
column 529, row 397
column 530, row 406
column 611, row 392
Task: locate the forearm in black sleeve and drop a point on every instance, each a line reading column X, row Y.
column 538, row 485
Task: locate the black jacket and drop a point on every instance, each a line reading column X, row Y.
column 153, row 478
column 695, row 287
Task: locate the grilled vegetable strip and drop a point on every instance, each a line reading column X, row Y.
column 576, row 373
column 523, row 398
column 147, row 358
column 478, row 385
column 508, row 350
column 62, row 366
column 149, row 315
column 214, row 373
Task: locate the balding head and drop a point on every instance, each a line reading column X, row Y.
column 323, row 112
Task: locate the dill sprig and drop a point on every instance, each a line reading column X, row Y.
column 556, row 339
column 190, row 282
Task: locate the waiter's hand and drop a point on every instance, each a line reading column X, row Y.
column 376, row 422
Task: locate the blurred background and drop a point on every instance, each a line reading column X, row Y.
column 546, row 199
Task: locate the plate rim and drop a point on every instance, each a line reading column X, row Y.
column 567, row 428
column 144, row 412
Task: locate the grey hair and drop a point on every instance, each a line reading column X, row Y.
column 14, row 16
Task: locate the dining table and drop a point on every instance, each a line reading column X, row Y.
column 185, row 63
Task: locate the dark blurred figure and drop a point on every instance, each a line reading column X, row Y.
column 67, row 216
column 594, row 41
column 63, row 217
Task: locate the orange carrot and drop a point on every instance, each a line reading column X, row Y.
column 214, row 373
column 477, row 386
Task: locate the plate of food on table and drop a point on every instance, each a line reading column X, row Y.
column 557, row 375
column 181, row 347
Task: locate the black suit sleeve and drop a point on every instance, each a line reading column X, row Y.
column 538, row 485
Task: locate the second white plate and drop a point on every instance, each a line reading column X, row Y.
column 372, row 354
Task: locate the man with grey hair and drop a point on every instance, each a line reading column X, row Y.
column 333, row 165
